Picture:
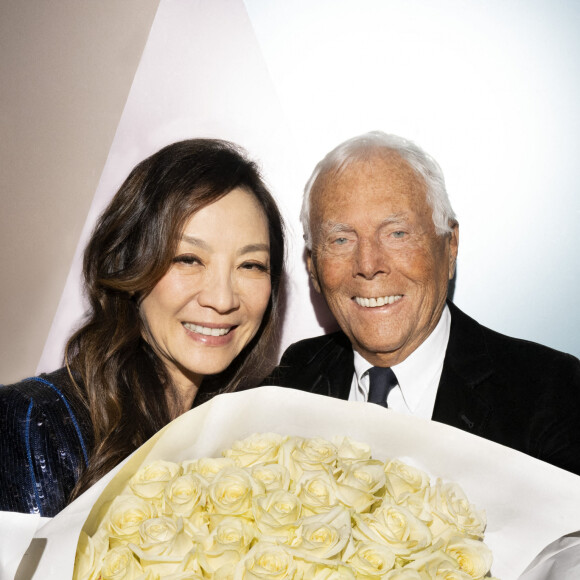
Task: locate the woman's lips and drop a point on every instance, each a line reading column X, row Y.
column 207, row 330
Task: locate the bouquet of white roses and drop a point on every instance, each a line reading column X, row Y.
column 287, row 507
column 529, row 504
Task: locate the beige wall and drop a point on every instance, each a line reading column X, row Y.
column 66, row 69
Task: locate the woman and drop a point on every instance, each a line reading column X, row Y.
column 183, row 275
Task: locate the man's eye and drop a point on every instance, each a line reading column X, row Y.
column 340, row 241
column 399, row 234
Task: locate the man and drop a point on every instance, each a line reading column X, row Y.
column 382, row 242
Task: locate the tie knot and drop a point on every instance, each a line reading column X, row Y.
column 381, row 382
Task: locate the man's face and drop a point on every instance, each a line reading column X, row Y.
column 376, row 258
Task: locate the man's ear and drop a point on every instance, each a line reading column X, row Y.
column 312, row 270
column 453, row 248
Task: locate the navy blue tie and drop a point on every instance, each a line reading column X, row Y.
column 381, row 382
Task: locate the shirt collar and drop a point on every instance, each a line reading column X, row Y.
column 416, row 373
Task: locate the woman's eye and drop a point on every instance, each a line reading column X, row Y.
column 187, row 259
column 256, row 266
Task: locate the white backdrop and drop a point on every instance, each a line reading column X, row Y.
column 490, row 89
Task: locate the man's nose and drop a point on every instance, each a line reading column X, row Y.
column 369, row 259
column 219, row 292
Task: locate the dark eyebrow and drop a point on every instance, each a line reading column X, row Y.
column 254, row 248
column 192, row 240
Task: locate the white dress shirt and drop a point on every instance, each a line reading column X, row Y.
column 418, row 375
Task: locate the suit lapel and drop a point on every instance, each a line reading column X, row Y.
column 334, row 368
column 467, row 365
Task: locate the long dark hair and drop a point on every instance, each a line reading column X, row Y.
column 123, row 383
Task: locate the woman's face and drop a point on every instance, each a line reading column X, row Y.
column 211, row 301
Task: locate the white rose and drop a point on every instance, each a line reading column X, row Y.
column 337, row 571
column 126, row 514
column 207, row 467
column 231, row 492
column 324, row 535
column 405, row 573
column 419, row 503
column 164, row 536
column 440, row 566
column 185, row 494
column 454, row 575
column 188, row 565
column 164, row 545
column 180, row 576
column 266, row 561
column 277, row 514
column 150, row 481
column 120, row 564
column 272, row 476
column 224, row 547
column 301, row 455
column 349, row 450
column 235, row 533
column 395, row 527
column 368, row 475
column 404, row 479
column 317, row 490
column 473, row 556
column 197, row 525
column 450, row 506
column 90, row 554
column 371, row 560
column 257, row 448
column 360, row 484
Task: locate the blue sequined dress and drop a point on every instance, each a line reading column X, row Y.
column 45, row 439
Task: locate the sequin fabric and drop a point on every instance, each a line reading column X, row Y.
column 45, row 437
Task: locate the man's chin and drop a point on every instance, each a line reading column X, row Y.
column 377, row 351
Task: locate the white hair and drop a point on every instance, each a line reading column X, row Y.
column 365, row 146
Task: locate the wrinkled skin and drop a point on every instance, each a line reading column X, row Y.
column 373, row 236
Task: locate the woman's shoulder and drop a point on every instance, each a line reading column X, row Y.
column 46, row 438
column 50, row 396
column 51, row 389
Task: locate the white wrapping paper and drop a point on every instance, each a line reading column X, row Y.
column 529, row 503
column 16, row 532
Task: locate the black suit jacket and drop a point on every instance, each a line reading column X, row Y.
column 514, row 392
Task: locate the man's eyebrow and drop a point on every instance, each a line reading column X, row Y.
column 394, row 218
column 331, row 227
column 335, row 227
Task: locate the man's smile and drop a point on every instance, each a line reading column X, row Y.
column 379, row 301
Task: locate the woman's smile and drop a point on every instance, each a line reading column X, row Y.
column 207, row 330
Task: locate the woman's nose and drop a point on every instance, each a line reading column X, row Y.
column 219, row 293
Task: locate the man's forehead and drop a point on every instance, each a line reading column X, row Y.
column 385, row 173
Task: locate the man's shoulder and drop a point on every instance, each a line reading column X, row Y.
column 516, row 355
column 317, row 348
column 306, row 361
